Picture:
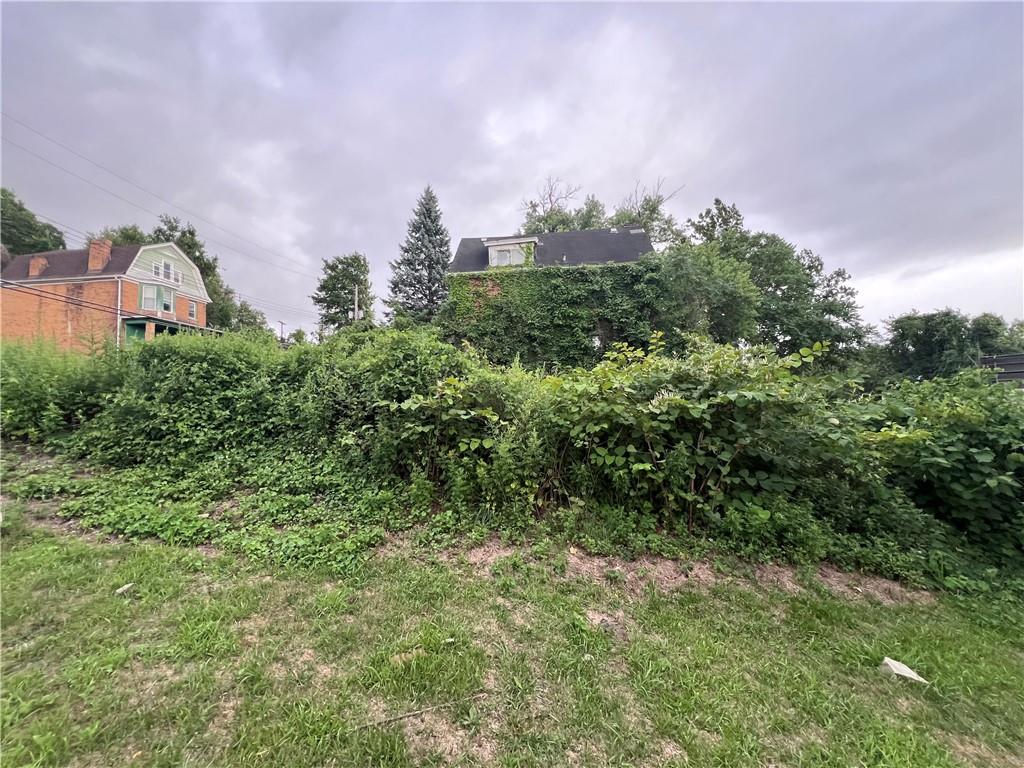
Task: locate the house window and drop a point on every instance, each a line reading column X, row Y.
column 156, row 270
column 168, row 270
column 149, row 296
column 518, row 257
column 191, row 310
column 501, row 257
column 177, row 277
column 167, row 298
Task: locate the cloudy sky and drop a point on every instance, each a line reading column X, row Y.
column 889, row 139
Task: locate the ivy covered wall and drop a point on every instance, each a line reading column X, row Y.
column 552, row 315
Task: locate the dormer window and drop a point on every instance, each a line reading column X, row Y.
column 509, row 252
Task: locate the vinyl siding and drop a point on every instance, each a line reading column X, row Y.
column 191, row 281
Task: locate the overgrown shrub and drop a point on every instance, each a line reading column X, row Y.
column 957, row 447
column 47, row 391
column 308, row 455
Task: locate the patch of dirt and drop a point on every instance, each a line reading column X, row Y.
column 859, row 585
column 635, row 575
column 667, row 575
column 974, row 752
column 779, row 577
column 615, row 624
column 667, row 750
column 143, row 682
column 484, row 557
column 397, row 545
column 220, row 724
column 434, row 733
column 253, row 628
column 299, row 660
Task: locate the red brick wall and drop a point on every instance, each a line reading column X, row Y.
column 130, row 306
column 27, row 315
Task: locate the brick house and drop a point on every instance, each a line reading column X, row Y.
column 79, row 298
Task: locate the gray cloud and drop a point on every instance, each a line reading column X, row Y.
column 887, row 138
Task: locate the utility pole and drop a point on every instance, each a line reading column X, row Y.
column 281, row 323
column 354, row 313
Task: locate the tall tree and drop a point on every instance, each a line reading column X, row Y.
column 800, row 302
column 418, row 286
column 126, row 234
column 646, row 207
column 551, row 210
column 931, row 344
column 708, row 293
column 21, row 231
column 245, row 317
column 334, row 294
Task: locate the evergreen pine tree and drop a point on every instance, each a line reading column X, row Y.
column 417, row 285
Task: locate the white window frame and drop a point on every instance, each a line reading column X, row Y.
column 502, row 257
column 168, row 270
column 168, row 302
column 177, row 277
column 156, row 269
column 193, row 310
column 152, row 298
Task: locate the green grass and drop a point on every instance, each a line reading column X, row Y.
column 209, row 660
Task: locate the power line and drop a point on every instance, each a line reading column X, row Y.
column 85, row 240
column 82, row 303
column 276, row 306
column 147, row 210
column 147, row 191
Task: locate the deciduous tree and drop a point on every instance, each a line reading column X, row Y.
column 334, row 295
column 21, row 231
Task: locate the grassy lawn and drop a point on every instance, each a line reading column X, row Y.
column 510, row 656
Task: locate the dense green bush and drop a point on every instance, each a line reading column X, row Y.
column 47, row 391
column 957, row 446
column 308, row 455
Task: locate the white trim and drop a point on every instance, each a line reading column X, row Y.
column 117, row 329
column 78, row 279
column 489, row 241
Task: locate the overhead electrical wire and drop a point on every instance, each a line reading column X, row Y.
column 150, row 211
column 84, row 237
column 150, row 192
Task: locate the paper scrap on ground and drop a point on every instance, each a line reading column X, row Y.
column 900, row 669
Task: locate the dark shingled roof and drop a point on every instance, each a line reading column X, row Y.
column 588, row 246
column 73, row 263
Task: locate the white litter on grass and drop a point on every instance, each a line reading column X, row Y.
column 899, row 669
column 125, row 588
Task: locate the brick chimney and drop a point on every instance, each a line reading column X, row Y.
column 99, row 254
column 37, row 265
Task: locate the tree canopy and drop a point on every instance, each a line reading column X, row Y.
column 334, row 295
column 21, row 231
column 929, row 344
column 418, row 284
column 800, row 302
column 551, row 210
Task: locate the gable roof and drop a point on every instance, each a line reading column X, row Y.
column 72, row 263
column 588, row 246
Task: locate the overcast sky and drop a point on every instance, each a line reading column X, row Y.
column 889, row 139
